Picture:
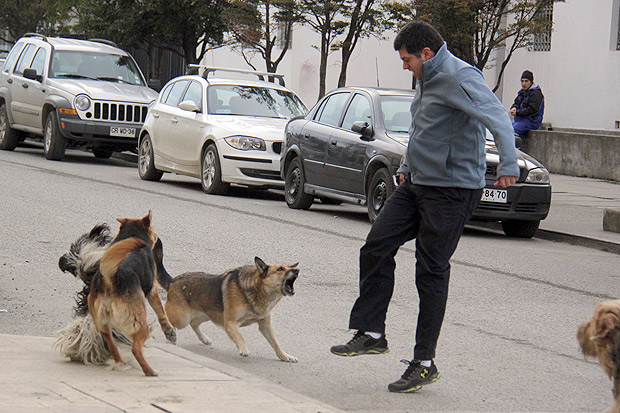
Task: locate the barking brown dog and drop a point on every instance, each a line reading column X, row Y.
column 600, row 338
column 237, row 298
column 119, row 290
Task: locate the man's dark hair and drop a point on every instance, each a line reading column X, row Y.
column 415, row 36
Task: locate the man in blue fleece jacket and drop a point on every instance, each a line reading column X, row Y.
column 440, row 187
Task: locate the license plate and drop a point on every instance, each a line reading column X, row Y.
column 499, row 196
column 125, row 132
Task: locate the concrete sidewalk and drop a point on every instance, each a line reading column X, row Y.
column 577, row 208
column 37, row 378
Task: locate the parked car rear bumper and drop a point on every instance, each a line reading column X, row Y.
column 529, row 202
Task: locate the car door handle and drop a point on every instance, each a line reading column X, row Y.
column 9, row 81
column 25, row 85
column 156, row 115
column 174, row 120
column 333, row 142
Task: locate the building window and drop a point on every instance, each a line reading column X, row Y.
column 542, row 41
column 618, row 28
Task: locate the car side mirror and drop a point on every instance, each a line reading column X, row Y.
column 364, row 129
column 518, row 141
column 188, row 105
column 31, row 73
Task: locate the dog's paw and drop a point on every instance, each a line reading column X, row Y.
column 151, row 373
column 288, row 358
column 171, row 335
column 244, row 353
column 206, row 340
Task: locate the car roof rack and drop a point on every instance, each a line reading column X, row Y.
column 42, row 36
column 210, row 69
column 104, row 41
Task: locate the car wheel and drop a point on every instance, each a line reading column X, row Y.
column 294, row 194
column 519, row 228
column 211, row 172
column 9, row 137
column 102, row 153
column 146, row 161
column 329, row 201
column 380, row 189
column 54, row 144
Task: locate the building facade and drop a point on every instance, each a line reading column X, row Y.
column 577, row 65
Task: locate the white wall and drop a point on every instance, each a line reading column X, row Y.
column 580, row 76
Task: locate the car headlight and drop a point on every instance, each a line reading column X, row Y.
column 246, row 143
column 537, row 176
column 82, row 102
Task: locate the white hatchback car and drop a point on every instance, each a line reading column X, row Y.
column 223, row 131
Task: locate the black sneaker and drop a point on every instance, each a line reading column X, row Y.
column 415, row 377
column 362, row 344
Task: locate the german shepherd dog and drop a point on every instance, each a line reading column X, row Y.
column 79, row 340
column 600, row 338
column 126, row 279
column 237, row 298
column 118, row 276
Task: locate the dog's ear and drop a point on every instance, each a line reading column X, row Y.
column 605, row 320
column 123, row 221
column 294, row 265
column 260, row 264
column 147, row 219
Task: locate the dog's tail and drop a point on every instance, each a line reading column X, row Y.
column 163, row 278
column 81, row 342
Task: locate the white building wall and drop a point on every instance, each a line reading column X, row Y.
column 580, row 76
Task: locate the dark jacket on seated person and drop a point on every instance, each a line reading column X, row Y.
column 530, row 106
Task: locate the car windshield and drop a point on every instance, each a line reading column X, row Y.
column 396, row 112
column 254, row 101
column 95, row 66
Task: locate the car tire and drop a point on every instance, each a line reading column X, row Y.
column 9, row 137
column 211, row 172
column 54, row 144
column 519, row 228
column 146, row 161
column 380, row 189
column 102, row 153
column 294, row 182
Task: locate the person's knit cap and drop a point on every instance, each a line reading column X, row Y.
column 528, row 75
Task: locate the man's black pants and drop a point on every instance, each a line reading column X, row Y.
column 435, row 216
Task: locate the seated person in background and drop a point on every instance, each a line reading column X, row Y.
column 529, row 105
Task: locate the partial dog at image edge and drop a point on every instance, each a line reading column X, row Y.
column 116, row 297
column 600, row 338
column 237, row 298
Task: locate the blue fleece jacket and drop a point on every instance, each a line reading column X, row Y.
column 451, row 109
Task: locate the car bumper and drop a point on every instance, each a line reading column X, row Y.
column 252, row 168
column 91, row 131
column 526, row 202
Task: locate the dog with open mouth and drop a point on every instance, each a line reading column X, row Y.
column 237, row 298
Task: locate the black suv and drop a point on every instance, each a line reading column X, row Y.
column 350, row 144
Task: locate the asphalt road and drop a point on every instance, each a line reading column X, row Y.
column 508, row 341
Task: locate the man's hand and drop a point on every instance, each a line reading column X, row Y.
column 400, row 177
column 512, row 111
column 505, row 181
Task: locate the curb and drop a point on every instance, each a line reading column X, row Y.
column 611, row 220
column 548, row 235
